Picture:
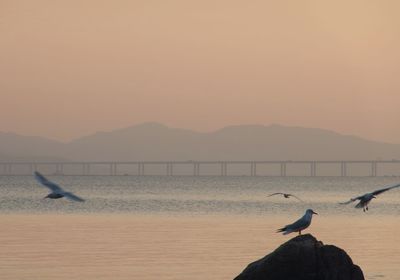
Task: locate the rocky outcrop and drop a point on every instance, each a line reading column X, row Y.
column 303, row 258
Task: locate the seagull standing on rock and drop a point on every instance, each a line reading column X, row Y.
column 301, row 224
column 56, row 190
column 366, row 198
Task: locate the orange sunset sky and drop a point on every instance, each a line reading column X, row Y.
column 70, row 68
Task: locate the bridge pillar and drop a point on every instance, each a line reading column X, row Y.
column 313, row 167
column 343, row 171
column 374, row 168
column 224, row 168
column 283, row 169
column 113, row 169
column 141, row 169
column 170, row 167
column 86, row 169
column 253, row 169
column 60, row 169
column 196, row 169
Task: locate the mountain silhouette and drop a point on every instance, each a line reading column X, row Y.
column 154, row 141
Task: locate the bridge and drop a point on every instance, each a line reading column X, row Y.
column 286, row 168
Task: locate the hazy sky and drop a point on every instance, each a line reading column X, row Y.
column 70, row 68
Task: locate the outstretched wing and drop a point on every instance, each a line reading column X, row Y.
column 298, row 198
column 276, row 193
column 73, row 197
column 351, row 200
column 45, row 182
column 385, row 189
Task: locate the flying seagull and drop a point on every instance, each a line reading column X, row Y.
column 366, row 198
column 286, row 195
column 56, row 190
column 301, row 224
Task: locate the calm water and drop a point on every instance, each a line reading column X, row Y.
column 185, row 227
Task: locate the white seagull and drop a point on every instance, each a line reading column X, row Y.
column 286, row 195
column 301, row 224
column 366, row 198
column 56, row 190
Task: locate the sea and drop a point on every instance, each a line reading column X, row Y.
column 185, row 227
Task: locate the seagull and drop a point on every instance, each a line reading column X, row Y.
column 56, row 190
column 301, row 224
column 286, row 195
column 366, row 198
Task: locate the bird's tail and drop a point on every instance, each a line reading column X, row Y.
column 281, row 229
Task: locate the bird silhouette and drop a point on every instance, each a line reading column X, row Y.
column 286, row 195
column 301, row 224
column 365, row 199
column 56, row 190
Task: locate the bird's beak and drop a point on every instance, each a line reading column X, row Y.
column 374, row 196
column 315, row 213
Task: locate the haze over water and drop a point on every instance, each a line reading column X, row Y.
column 185, row 227
column 76, row 67
column 72, row 69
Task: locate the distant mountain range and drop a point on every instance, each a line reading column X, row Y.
column 153, row 141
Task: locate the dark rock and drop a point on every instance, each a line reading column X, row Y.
column 303, row 258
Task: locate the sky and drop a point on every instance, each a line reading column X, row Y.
column 71, row 68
